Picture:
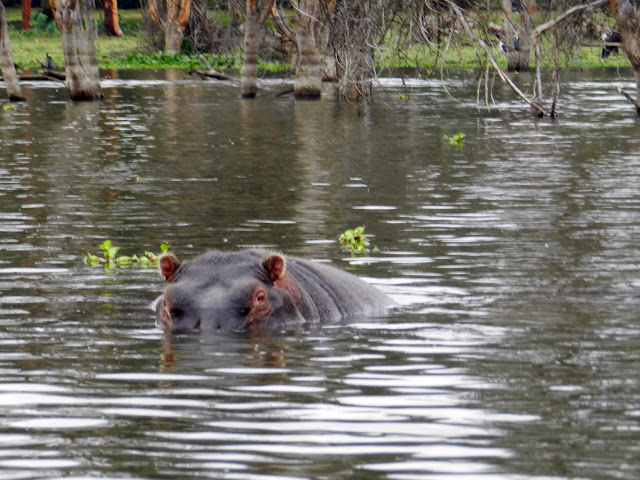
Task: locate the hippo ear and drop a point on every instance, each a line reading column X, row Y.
column 275, row 266
column 168, row 266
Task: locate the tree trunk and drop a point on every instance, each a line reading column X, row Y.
column 629, row 25
column 6, row 60
column 255, row 15
column 285, row 35
column 111, row 24
column 26, row 14
column 81, row 66
column 524, row 39
column 308, row 83
column 172, row 24
column 249, row 70
column 173, row 40
column 328, row 66
column 509, row 35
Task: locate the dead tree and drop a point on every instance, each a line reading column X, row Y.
column 6, row 60
column 357, row 28
column 81, row 66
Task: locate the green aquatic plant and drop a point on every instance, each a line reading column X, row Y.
column 355, row 241
column 111, row 259
column 456, row 139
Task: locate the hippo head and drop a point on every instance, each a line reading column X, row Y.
column 227, row 292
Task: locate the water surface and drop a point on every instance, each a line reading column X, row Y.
column 514, row 259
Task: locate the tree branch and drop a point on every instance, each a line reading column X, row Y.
column 537, row 33
column 537, row 108
column 560, row 18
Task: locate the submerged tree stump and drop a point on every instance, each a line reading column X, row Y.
column 81, row 66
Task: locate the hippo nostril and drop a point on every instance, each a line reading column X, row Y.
column 197, row 325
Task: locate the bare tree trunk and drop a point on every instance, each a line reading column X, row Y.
column 629, row 25
column 509, row 36
column 524, row 39
column 81, row 66
column 6, row 60
column 111, row 24
column 249, row 70
column 309, row 72
column 172, row 24
column 26, row 14
column 255, row 16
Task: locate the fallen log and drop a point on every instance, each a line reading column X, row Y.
column 210, row 72
column 36, row 76
column 55, row 74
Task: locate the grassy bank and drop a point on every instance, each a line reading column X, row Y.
column 129, row 52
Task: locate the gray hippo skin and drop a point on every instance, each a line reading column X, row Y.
column 250, row 289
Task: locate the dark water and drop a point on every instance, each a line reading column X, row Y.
column 515, row 259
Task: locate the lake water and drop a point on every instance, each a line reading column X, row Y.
column 514, row 257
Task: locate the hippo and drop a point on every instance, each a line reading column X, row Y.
column 257, row 289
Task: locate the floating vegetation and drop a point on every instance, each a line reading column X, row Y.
column 355, row 241
column 110, row 257
column 456, row 139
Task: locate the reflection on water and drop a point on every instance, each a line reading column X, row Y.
column 513, row 354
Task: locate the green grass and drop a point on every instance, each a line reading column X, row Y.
column 128, row 52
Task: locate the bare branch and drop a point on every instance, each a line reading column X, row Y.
column 561, row 18
column 537, row 108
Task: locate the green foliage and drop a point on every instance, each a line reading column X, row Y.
column 41, row 25
column 160, row 60
column 111, row 259
column 355, row 241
